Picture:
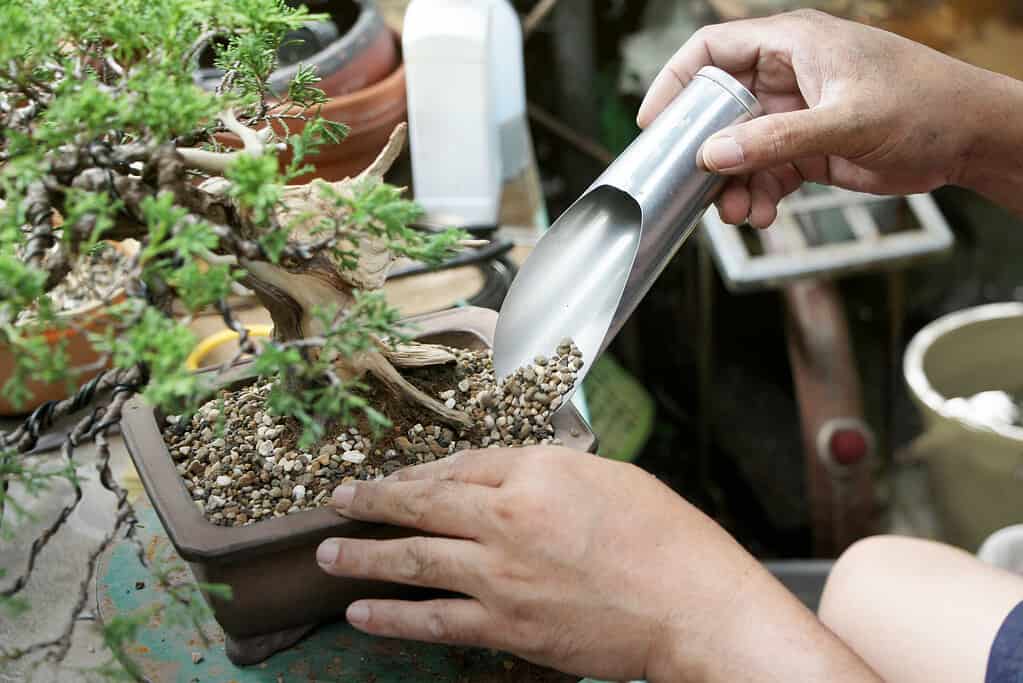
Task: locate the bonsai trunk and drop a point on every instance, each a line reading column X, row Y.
column 292, row 292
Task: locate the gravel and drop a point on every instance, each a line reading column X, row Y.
column 94, row 277
column 242, row 465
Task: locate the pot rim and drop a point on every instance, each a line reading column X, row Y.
column 367, row 27
column 197, row 539
column 921, row 343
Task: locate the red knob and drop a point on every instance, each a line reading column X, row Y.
column 848, row 446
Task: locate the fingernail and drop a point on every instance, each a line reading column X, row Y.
column 342, row 496
column 357, row 613
column 326, row 554
column 722, row 153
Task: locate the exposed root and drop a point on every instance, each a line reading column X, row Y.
column 417, row 355
column 377, row 365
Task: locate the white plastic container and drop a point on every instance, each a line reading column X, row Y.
column 452, row 108
column 510, row 102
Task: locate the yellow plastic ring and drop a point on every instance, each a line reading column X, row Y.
column 203, row 348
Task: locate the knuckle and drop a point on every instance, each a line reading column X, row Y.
column 437, row 626
column 505, row 510
column 363, row 499
column 417, row 563
column 411, row 509
column 810, row 15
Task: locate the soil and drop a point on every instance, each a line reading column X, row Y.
column 241, row 464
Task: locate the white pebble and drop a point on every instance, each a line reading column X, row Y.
column 268, row 421
column 223, row 480
column 353, row 457
column 288, row 465
column 298, row 492
column 450, row 403
column 447, row 394
column 265, row 448
column 463, row 386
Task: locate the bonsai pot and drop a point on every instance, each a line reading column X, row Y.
column 73, row 335
column 279, row 592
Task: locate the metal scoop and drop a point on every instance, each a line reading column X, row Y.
column 590, row 270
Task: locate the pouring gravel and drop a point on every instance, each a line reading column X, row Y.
column 242, row 465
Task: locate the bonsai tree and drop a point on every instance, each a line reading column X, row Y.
column 104, row 136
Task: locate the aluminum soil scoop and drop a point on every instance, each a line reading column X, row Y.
column 590, row 270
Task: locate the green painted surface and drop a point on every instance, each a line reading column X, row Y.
column 334, row 652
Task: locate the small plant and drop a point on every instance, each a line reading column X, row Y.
column 104, row 136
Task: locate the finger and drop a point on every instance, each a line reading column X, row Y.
column 765, row 192
column 440, row 506
column 445, row 621
column 734, row 202
column 733, row 47
column 777, row 139
column 444, row 563
column 486, row 467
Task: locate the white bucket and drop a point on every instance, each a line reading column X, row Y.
column 975, row 468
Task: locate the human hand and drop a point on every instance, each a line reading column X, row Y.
column 845, row 105
column 576, row 562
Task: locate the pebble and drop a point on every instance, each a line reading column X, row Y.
column 249, row 473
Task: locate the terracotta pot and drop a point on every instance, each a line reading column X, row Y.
column 280, row 593
column 371, row 113
column 363, row 55
column 80, row 322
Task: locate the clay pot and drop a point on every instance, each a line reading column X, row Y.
column 279, row 592
column 364, row 54
column 80, row 322
column 371, row 113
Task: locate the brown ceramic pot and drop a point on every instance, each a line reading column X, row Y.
column 280, row 593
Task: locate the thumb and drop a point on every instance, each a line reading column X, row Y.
column 774, row 139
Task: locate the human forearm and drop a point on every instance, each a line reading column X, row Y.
column 769, row 636
column 991, row 163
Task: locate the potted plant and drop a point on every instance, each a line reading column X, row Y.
column 238, row 461
column 357, row 57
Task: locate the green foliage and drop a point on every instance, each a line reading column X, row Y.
column 160, row 345
column 316, row 133
column 316, row 402
column 255, row 185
